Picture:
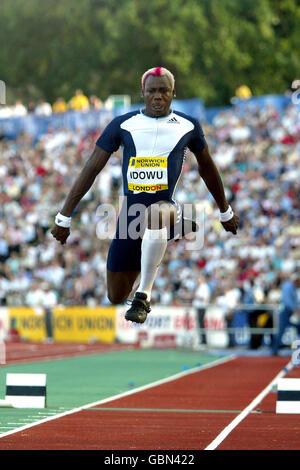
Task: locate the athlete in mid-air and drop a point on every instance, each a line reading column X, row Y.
column 154, row 141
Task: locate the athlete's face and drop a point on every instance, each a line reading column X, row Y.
column 158, row 95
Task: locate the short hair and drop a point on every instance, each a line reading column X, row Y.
column 158, row 72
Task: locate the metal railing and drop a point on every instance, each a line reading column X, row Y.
column 274, row 308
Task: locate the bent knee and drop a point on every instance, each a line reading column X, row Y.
column 116, row 298
column 119, row 285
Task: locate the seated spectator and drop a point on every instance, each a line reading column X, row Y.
column 19, row 109
column 43, row 108
column 5, row 112
column 79, row 102
column 2, row 136
column 59, row 106
column 243, row 92
column 95, row 102
column 31, row 107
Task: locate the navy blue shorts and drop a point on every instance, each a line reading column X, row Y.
column 125, row 251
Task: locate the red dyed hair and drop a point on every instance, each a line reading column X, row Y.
column 158, row 72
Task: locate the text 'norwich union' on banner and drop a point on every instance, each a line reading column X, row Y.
column 29, row 323
column 68, row 324
column 83, row 324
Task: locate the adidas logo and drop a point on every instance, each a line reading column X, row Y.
column 173, row 120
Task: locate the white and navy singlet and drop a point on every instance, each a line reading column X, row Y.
column 153, row 156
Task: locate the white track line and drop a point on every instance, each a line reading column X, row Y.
column 226, row 431
column 121, row 395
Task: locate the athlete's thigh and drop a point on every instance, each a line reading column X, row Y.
column 123, row 267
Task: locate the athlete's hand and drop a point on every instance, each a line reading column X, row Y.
column 232, row 224
column 60, row 233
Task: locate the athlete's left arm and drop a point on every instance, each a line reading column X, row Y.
column 211, row 176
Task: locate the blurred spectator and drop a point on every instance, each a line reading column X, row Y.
column 34, row 297
column 43, row 108
column 49, row 301
column 294, row 88
column 59, row 106
column 259, row 317
column 243, row 92
column 31, row 107
column 2, row 136
column 291, row 308
column 79, row 102
column 95, row 102
column 19, row 109
column 229, row 298
column 202, row 297
column 4, row 250
column 41, row 296
column 5, row 112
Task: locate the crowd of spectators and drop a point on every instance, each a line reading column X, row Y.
column 257, row 151
column 78, row 102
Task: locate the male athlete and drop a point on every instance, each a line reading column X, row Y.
column 154, row 141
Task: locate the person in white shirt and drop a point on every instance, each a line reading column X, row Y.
column 19, row 109
column 42, row 296
column 200, row 302
column 229, row 301
column 49, row 300
column 43, row 109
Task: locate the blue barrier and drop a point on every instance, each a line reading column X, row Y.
column 241, row 107
column 277, row 101
column 94, row 120
column 211, row 113
column 39, row 125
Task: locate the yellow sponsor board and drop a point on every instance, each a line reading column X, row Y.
column 83, row 324
column 69, row 324
column 29, row 322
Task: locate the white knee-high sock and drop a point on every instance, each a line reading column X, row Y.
column 154, row 245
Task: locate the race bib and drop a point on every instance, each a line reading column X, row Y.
column 148, row 174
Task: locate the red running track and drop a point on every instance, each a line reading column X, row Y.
column 19, row 352
column 229, row 386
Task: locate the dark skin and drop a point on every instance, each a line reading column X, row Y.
column 158, row 95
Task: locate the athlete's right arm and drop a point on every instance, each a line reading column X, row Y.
column 82, row 184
